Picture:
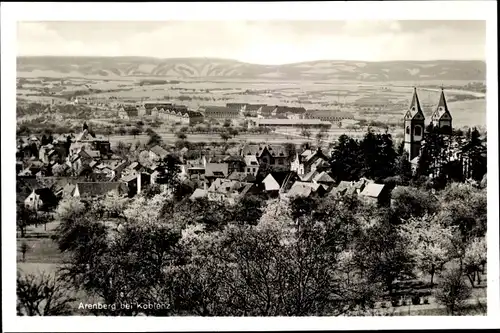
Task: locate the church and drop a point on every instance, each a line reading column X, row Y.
column 414, row 125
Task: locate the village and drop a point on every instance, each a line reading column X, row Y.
column 85, row 165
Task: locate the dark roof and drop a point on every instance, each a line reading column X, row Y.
column 46, row 195
column 100, row 188
column 257, row 150
column 254, row 107
column 236, row 105
column 267, row 109
column 150, row 106
column 216, row 170
column 242, row 177
column 213, row 109
column 329, row 113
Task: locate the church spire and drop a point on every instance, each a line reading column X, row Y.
column 442, row 101
column 415, row 103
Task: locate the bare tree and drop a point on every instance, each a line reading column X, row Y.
column 42, row 295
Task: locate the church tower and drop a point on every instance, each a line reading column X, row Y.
column 441, row 118
column 414, row 124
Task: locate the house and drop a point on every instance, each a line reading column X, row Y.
column 242, row 177
column 193, row 169
column 237, row 106
column 136, row 182
column 350, row 188
column 251, row 110
column 274, row 156
column 185, row 117
column 41, row 199
column 378, row 194
column 251, row 165
column 214, row 171
column 302, row 189
column 226, row 190
column 89, row 190
column 234, row 162
column 265, row 111
column 157, row 153
column 277, row 182
column 309, row 160
column 149, row 107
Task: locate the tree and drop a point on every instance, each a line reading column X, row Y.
column 227, row 123
column 248, row 210
column 232, row 132
column 225, row 136
column 24, row 249
column 154, row 139
column 319, row 136
column 345, row 160
column 122, row 131
column 429, row 243
column 453, row 291
column 382, row 254
column 25, row 217
column 42, row 295
column 413, row 202
column 134, row 131
column 474, row 259
column 181, row 135
column 305, row 133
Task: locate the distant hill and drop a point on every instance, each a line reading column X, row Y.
column 222, row 68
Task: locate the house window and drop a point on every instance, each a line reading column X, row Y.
column 253, row 169
column 407, row 129
column 280, row 161
column 248, row 169
column 418, row 130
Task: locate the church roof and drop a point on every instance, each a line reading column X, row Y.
column 415, row 108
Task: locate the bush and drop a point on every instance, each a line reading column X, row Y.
column 395, row 301
column 453, row 291
column 426, row 300
column 415, row 300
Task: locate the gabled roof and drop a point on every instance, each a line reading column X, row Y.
column 323, row 177
column 198, row 193
column 415, row 110
column 159, row 151
column 216, row 170
column 372, row 190
column 213, row 109
column 242, row 177
column 251, row 160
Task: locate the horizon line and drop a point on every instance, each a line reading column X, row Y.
column 245, row 62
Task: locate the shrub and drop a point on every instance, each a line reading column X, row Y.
column 415, row 300
column 395, row 301
column 426, row 300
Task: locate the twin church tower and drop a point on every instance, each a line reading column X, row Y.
column 414, row 123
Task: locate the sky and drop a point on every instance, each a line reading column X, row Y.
column 258, row 42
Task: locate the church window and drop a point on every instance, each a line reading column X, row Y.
column 418, row 130
column 407, row 129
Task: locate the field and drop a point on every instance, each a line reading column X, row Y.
column 381, row 101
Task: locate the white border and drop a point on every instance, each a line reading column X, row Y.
column 437, row 10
